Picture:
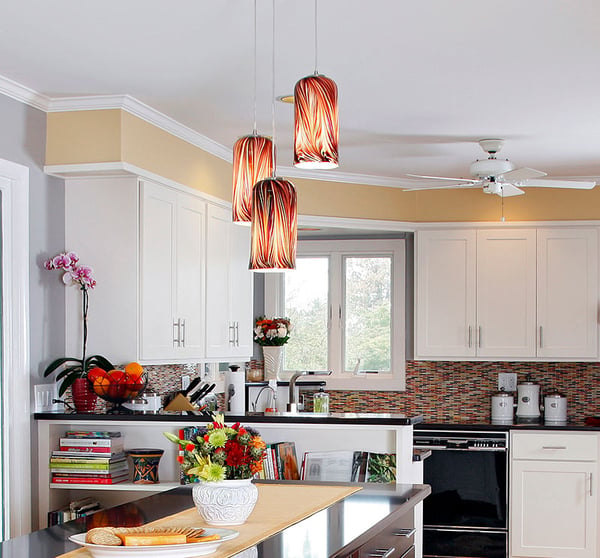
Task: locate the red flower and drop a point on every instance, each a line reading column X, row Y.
column 180, row 458
column 235, row 454
column 190, row 447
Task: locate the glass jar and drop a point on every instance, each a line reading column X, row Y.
column 321, row 402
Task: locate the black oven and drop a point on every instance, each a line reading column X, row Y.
column 466, row 514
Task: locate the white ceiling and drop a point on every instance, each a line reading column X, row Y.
column 419, row 81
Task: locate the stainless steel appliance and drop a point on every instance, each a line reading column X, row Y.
column 466, row 514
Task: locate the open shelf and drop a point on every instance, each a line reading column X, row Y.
column 121, row 486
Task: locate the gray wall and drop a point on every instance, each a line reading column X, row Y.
column 23, row 141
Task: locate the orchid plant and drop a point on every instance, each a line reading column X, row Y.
column 75, row 274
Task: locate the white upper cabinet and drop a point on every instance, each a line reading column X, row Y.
column 229, row 287
column 567, row 293
column 445, row 293
column 148, row 245
column 507, row 293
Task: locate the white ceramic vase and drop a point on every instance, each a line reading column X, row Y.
column 227, row 502
column 273, row 357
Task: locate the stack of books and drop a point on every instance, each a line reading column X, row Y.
column 89, row 457
column 280, row 462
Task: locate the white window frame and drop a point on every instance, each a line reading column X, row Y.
column 336, row 250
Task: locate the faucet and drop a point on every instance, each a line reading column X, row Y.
column 273, row 389
column 292, row 406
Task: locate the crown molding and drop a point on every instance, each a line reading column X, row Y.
column 152, row 116
column 24, row 94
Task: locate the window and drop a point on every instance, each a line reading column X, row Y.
column 345, row 301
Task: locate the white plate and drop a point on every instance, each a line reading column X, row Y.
column 187, row 550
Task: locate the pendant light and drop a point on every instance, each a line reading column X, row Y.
column 316, row 125
column 252, row 161
column 274, row 212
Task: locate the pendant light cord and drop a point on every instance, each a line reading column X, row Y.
column 255, row 86
column 316, row 40
column 273, row 96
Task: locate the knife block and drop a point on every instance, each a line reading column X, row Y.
column 180, row 403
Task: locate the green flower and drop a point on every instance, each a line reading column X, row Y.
column 217, row 438
column 212, row 472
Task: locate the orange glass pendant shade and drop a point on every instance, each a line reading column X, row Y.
column 252, row 162
column 316, row 127
column 274, row 225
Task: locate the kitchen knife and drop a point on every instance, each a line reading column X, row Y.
column 200, row 393
column 192, row 385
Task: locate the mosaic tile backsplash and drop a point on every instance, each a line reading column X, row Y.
column 446, row 391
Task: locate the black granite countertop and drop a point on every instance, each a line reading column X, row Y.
column 297, row 418
column 341, row 525
column 482, row 426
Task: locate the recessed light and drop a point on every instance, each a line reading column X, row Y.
column 286, row 99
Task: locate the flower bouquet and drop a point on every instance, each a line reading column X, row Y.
column 218, row 452
column 221, row 460
column 272, row 332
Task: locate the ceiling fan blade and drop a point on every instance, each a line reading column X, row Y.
column 449, row 187
column 549, row 183
column 444, row 178
column 524, row 173
column 506, row 189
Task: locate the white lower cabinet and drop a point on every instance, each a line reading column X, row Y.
column 554, row 495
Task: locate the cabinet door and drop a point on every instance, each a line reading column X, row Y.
column 445, row 294
column 553, row 509
column 219, row 327
column 506, row 274
column 241, row 290
column 567, row 293
column 229, row 284
column 189, row 273
column 158, row 256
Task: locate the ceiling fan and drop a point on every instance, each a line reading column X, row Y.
column 500, row 176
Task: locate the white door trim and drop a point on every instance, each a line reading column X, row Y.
column 16, row 434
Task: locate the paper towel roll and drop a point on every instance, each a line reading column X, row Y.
column 235, row 391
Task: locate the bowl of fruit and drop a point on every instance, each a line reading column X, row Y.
column 118, row 386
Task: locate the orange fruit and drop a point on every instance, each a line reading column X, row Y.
column 94, row 373
column 101, row 384
column 134, row 370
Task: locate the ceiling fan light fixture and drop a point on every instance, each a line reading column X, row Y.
column 274, row 225
column 252, row 161
column 316, row 125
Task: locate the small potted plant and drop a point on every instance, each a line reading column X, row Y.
column 71, row 371
column 271, row 334
column 221, row 461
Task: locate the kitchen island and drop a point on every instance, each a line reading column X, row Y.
column 311, row 432
column 375, row 517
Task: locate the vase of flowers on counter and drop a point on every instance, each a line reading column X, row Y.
column 221, row 461
column 272, row 334
column 73, row 372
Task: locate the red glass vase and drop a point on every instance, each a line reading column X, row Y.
column 84, row 397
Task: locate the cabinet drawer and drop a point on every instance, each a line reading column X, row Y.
column 562, row 446
column 395, row 541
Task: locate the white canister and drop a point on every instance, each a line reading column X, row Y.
column 528, row 402
column 502, row 408
column 555, row 408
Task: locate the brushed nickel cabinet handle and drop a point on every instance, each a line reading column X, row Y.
column 404, row 533
column 541, row 344
column 479, row 341
column 554, row 447
column 183, row 333
column 470, row 337
column 381, row 552
column 231, row 333
column 591, row 494
column 177, row 337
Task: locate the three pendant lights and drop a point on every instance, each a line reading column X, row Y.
column 269, row 203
